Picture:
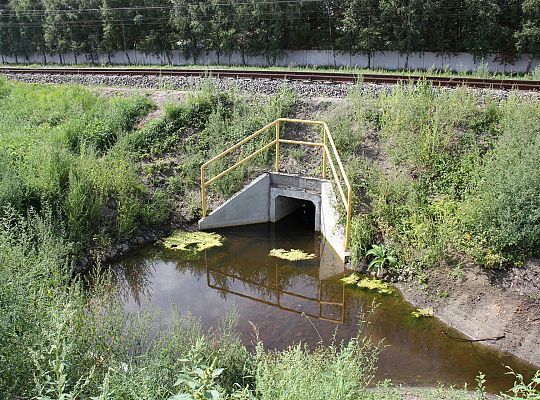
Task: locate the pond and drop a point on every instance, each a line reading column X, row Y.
column 292, row 302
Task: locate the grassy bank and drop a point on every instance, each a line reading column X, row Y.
column 80, row 171
column 443, row 177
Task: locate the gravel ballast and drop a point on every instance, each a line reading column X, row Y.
column 248, row 86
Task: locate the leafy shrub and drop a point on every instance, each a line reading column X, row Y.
column 505, row 208
column 382, row 257
column 362, row 234
column 455, row 165
column 420, row 125
column 522, row 390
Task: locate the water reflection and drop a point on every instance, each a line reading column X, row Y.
column 274, row 295
column 305, row 301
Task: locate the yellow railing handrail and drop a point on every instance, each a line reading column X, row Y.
column 277, row 141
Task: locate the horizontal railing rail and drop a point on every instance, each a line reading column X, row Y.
column 329, row 154
column 279, row 294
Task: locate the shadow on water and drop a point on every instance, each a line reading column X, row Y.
column 292, row 302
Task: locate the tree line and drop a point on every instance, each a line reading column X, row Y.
column 268, row 27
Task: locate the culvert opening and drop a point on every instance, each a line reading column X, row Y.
column 296, row 212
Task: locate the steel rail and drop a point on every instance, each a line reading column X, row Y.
column 302, row 76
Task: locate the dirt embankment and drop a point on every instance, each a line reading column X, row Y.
column 501, row 308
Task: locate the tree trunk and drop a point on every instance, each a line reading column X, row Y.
column 529, row 64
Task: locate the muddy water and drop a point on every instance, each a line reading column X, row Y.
column 304, row 301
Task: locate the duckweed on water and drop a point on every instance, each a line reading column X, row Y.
column 423, row 312
column 367, row 283
column 376, row 285
column 192, row 241
column 291, row 255
column 352, row 279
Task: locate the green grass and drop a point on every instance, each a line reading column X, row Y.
column 57, row 149
column 198, row 129
column 455, row 178
column 80, row 154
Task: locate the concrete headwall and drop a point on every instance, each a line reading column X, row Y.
column 273, row 196
column 332, row 230
column 390, row 60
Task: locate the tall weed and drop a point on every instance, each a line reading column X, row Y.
column 504, row 211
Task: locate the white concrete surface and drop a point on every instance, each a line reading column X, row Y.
column 387, row 59
column 332, row 230
column 249, row 206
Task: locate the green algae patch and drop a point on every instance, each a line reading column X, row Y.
column 193, row 242
column 367, row 283
column 352, row 279
column 291, row 255
column 423, row 312
column 375, row 285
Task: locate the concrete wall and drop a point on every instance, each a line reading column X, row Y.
column 249, row 206
column 386, row 60
column 332, row 230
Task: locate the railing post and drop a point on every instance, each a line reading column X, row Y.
column 324, row 153
column 349, row 212
column 203, row 192
column 277, row 145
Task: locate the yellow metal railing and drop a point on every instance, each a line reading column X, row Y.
column 329, row 152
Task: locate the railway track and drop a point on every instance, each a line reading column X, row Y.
column 303, row 76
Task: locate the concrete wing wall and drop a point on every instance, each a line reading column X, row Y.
column 249, row 206
column 332, row 230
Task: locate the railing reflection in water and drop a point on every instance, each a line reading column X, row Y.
column 279, row 294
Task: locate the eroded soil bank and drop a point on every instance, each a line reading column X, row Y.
column 499, row 308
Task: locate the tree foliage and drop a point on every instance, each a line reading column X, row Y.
column 266, row 28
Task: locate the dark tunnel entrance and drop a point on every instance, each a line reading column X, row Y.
column 295, row 212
